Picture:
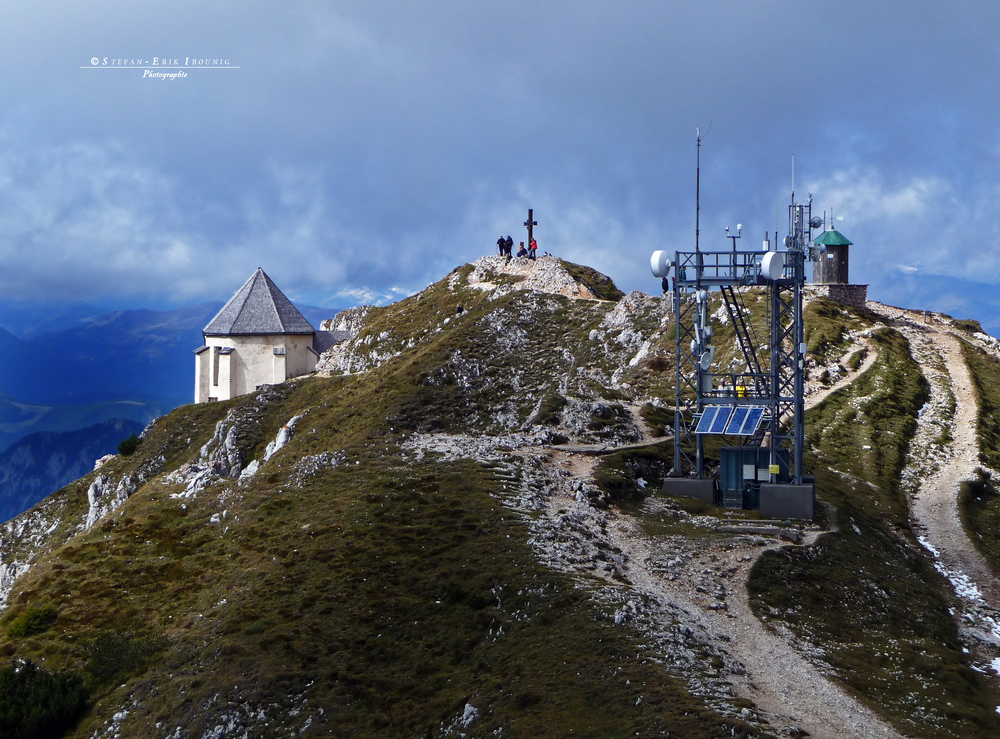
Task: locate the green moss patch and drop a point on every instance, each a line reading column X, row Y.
column 31, row 621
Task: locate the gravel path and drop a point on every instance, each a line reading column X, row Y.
column 935, row 506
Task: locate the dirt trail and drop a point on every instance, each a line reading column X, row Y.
column 819, row 396
column 935, row 507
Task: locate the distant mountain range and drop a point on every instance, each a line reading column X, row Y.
column 41, row 463
column 68, row 369
column 74, row 382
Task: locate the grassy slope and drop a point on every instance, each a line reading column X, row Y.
column 866, row 595
column 386, row 592
column 980, row 501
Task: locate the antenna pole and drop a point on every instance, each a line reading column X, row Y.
column 697, row 194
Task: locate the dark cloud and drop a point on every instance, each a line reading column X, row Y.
column 373, row 146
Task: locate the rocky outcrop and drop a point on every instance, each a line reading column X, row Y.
column 105, row 495
column 349, row 320
column 544, row 275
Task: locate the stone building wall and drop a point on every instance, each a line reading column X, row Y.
column 851, row 295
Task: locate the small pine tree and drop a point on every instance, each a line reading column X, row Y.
column 126, row 447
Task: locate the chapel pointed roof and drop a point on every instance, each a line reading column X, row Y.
column 258, row 307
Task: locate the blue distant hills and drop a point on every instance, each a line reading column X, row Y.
column 69, row 367
column 74, row 382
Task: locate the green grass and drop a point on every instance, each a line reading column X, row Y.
column 30, row 622
column 660, row 419
column 979, row 506
column 827, row 324
column 969, row 325
column 601, row 285
column 387, row 592
column 862, row 432
column 985, row 372
column 548, row 412
column 617, row 473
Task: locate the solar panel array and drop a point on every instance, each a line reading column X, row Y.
column 723, row 419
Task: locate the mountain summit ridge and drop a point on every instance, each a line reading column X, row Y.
column 454, row 532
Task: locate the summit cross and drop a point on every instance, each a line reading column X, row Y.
column 530, row 223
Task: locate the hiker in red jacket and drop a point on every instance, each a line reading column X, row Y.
column 532, row 248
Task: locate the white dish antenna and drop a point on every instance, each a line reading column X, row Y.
column 660, row 264
column 772, row 265
column 707, row 358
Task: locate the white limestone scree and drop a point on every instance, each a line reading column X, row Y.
column 258, row 338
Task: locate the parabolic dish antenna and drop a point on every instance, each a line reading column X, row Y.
column 660, row 263
column 772, row 265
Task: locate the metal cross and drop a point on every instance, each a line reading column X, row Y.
column 530, row 223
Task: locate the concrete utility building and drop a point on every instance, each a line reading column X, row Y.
column 258, row 338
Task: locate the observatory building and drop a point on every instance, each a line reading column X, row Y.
column 830, row 270
column 258, row 338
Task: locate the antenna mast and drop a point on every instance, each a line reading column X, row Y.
column 697, row 193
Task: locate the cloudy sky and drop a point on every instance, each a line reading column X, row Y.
column 360, row 150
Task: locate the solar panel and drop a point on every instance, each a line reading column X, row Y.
column 707, row 417
column 713, row 419
column 753, row 421
column 747, row 426
column 739, row 416
column 721, row 419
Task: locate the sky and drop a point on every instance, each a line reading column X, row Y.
column 358, row 151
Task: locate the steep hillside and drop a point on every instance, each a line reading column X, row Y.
column 450, row 531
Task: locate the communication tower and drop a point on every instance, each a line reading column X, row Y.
column 759, row 409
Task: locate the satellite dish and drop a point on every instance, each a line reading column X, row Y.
column 816, row 222
column 772, row 265
column 707, row 358
column 660, row 264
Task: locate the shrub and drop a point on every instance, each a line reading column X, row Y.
column 38, row 704
column 127, row 446
column 31, row 622
column 548, row 411
column 114, row 654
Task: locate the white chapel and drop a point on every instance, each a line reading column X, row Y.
column 258, row 338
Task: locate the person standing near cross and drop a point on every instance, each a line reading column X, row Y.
column 530, row 224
